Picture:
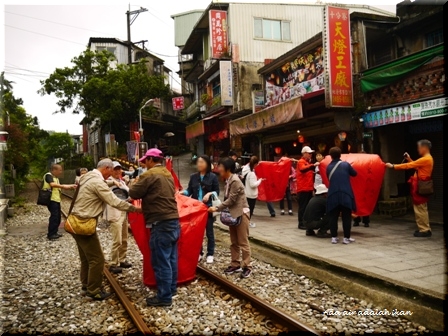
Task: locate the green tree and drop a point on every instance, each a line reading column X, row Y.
column 58, row 146
column 106, row 93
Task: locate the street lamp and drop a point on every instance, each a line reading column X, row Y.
column 148, row 103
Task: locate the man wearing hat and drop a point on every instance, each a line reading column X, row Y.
column 315, row 215
column 305, row 182
column 118, row 221
column 155, row 188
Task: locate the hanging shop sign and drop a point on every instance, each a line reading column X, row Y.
column 417, row 111
column 258, row 101
column 226, row 77
column 218, row 33
column 178, row 103
column 337, row 46
column 269, row 117
column 303, row 75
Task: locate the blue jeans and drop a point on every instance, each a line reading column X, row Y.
column 270, row 208
column 55, row 218
column 163, row 245
column 209, row 233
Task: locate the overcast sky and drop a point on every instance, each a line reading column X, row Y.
column 39, row 38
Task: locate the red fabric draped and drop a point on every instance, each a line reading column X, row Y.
column 277, row 179
column 366, row 185
column 193, row 219
column 169, row 166
column 417, row 199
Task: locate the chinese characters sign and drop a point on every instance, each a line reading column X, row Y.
column 427, row 109
column 302, row 75
column 339, row 55
column 218, row 33
column 178, row 103
column 226, row 75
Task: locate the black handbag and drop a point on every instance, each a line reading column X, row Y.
column 44, row 196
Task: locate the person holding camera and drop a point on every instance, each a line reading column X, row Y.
column 423, row 171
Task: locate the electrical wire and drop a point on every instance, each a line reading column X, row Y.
column 13, row 67
column 58, row 23
column 53, row 37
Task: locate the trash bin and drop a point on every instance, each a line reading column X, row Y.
column 193, row 219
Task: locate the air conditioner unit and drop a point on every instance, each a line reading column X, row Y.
column 203, row 108
column 207, row 64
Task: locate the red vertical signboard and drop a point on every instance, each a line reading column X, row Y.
column 339, row 57
column 178, row 103
column 218, row 33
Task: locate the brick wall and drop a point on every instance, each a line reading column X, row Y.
column 425, row 82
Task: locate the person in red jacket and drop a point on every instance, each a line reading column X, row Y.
column 305, row 182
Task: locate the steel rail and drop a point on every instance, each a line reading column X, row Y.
column 133, row 313
column 276, row 314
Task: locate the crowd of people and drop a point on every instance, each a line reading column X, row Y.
column 108, row 191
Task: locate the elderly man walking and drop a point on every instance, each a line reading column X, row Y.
column 156, row 189
column 423, row 171
column 118, row 222
column 93, row 193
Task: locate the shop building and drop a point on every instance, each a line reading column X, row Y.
column 403, row 90
column 305, row 101
column 229, row 43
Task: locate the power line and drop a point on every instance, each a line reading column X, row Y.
column 18, row 68
column 62, row 24
column 53, row 37
column 22, row 74
column 155, row 53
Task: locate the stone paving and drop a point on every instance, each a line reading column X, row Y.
column 387, row 248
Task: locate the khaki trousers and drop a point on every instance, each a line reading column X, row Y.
column 92, row 262
column 239, row 243
column 422, row 217
column 119, row 232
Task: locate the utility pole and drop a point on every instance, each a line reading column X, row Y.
column 131, row 16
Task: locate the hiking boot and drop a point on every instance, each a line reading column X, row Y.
column 115, row 269
column 155, row 302
column 423, row 234
column 125, row 264
column 246, row 272
column 232, row 269
column 99, row 296
column 310, row 233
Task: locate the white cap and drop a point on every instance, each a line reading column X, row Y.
column 307, row 149
column 321, row 189
column 116, row 164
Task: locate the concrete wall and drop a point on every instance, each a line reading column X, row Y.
column 247, row 76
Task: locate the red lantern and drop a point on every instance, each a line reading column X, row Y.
column 301, row 139
column 278, row 150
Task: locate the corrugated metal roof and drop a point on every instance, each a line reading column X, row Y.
column 183, row 26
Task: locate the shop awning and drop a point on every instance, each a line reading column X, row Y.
column 388, row 73
column 273, row 116
column 214, row 116
column 194, row 130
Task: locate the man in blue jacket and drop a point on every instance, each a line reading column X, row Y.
column 340, row 199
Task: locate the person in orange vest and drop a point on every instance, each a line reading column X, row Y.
column 305, row 182
column 423, row 171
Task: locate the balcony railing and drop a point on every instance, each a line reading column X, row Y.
column 192, row 109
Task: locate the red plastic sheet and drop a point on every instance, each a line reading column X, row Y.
column 277, row 179
column 193, row 219
column 169, row 166
column 367, row 184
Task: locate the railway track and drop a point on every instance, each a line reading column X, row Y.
column 275, row 314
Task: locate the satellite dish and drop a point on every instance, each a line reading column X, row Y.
column 168, row 134
column 343, row 120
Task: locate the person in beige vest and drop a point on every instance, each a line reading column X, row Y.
column 118, row 222
column 92, row 195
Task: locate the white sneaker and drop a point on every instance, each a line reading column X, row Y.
column 348, row 240
column 334, row 240
column 252, row 225
column 209, row 259
column 200, row 258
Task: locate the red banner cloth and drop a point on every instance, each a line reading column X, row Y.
column 277, row 179
column 193, row 219
column 367, row 184
column 169, row 166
